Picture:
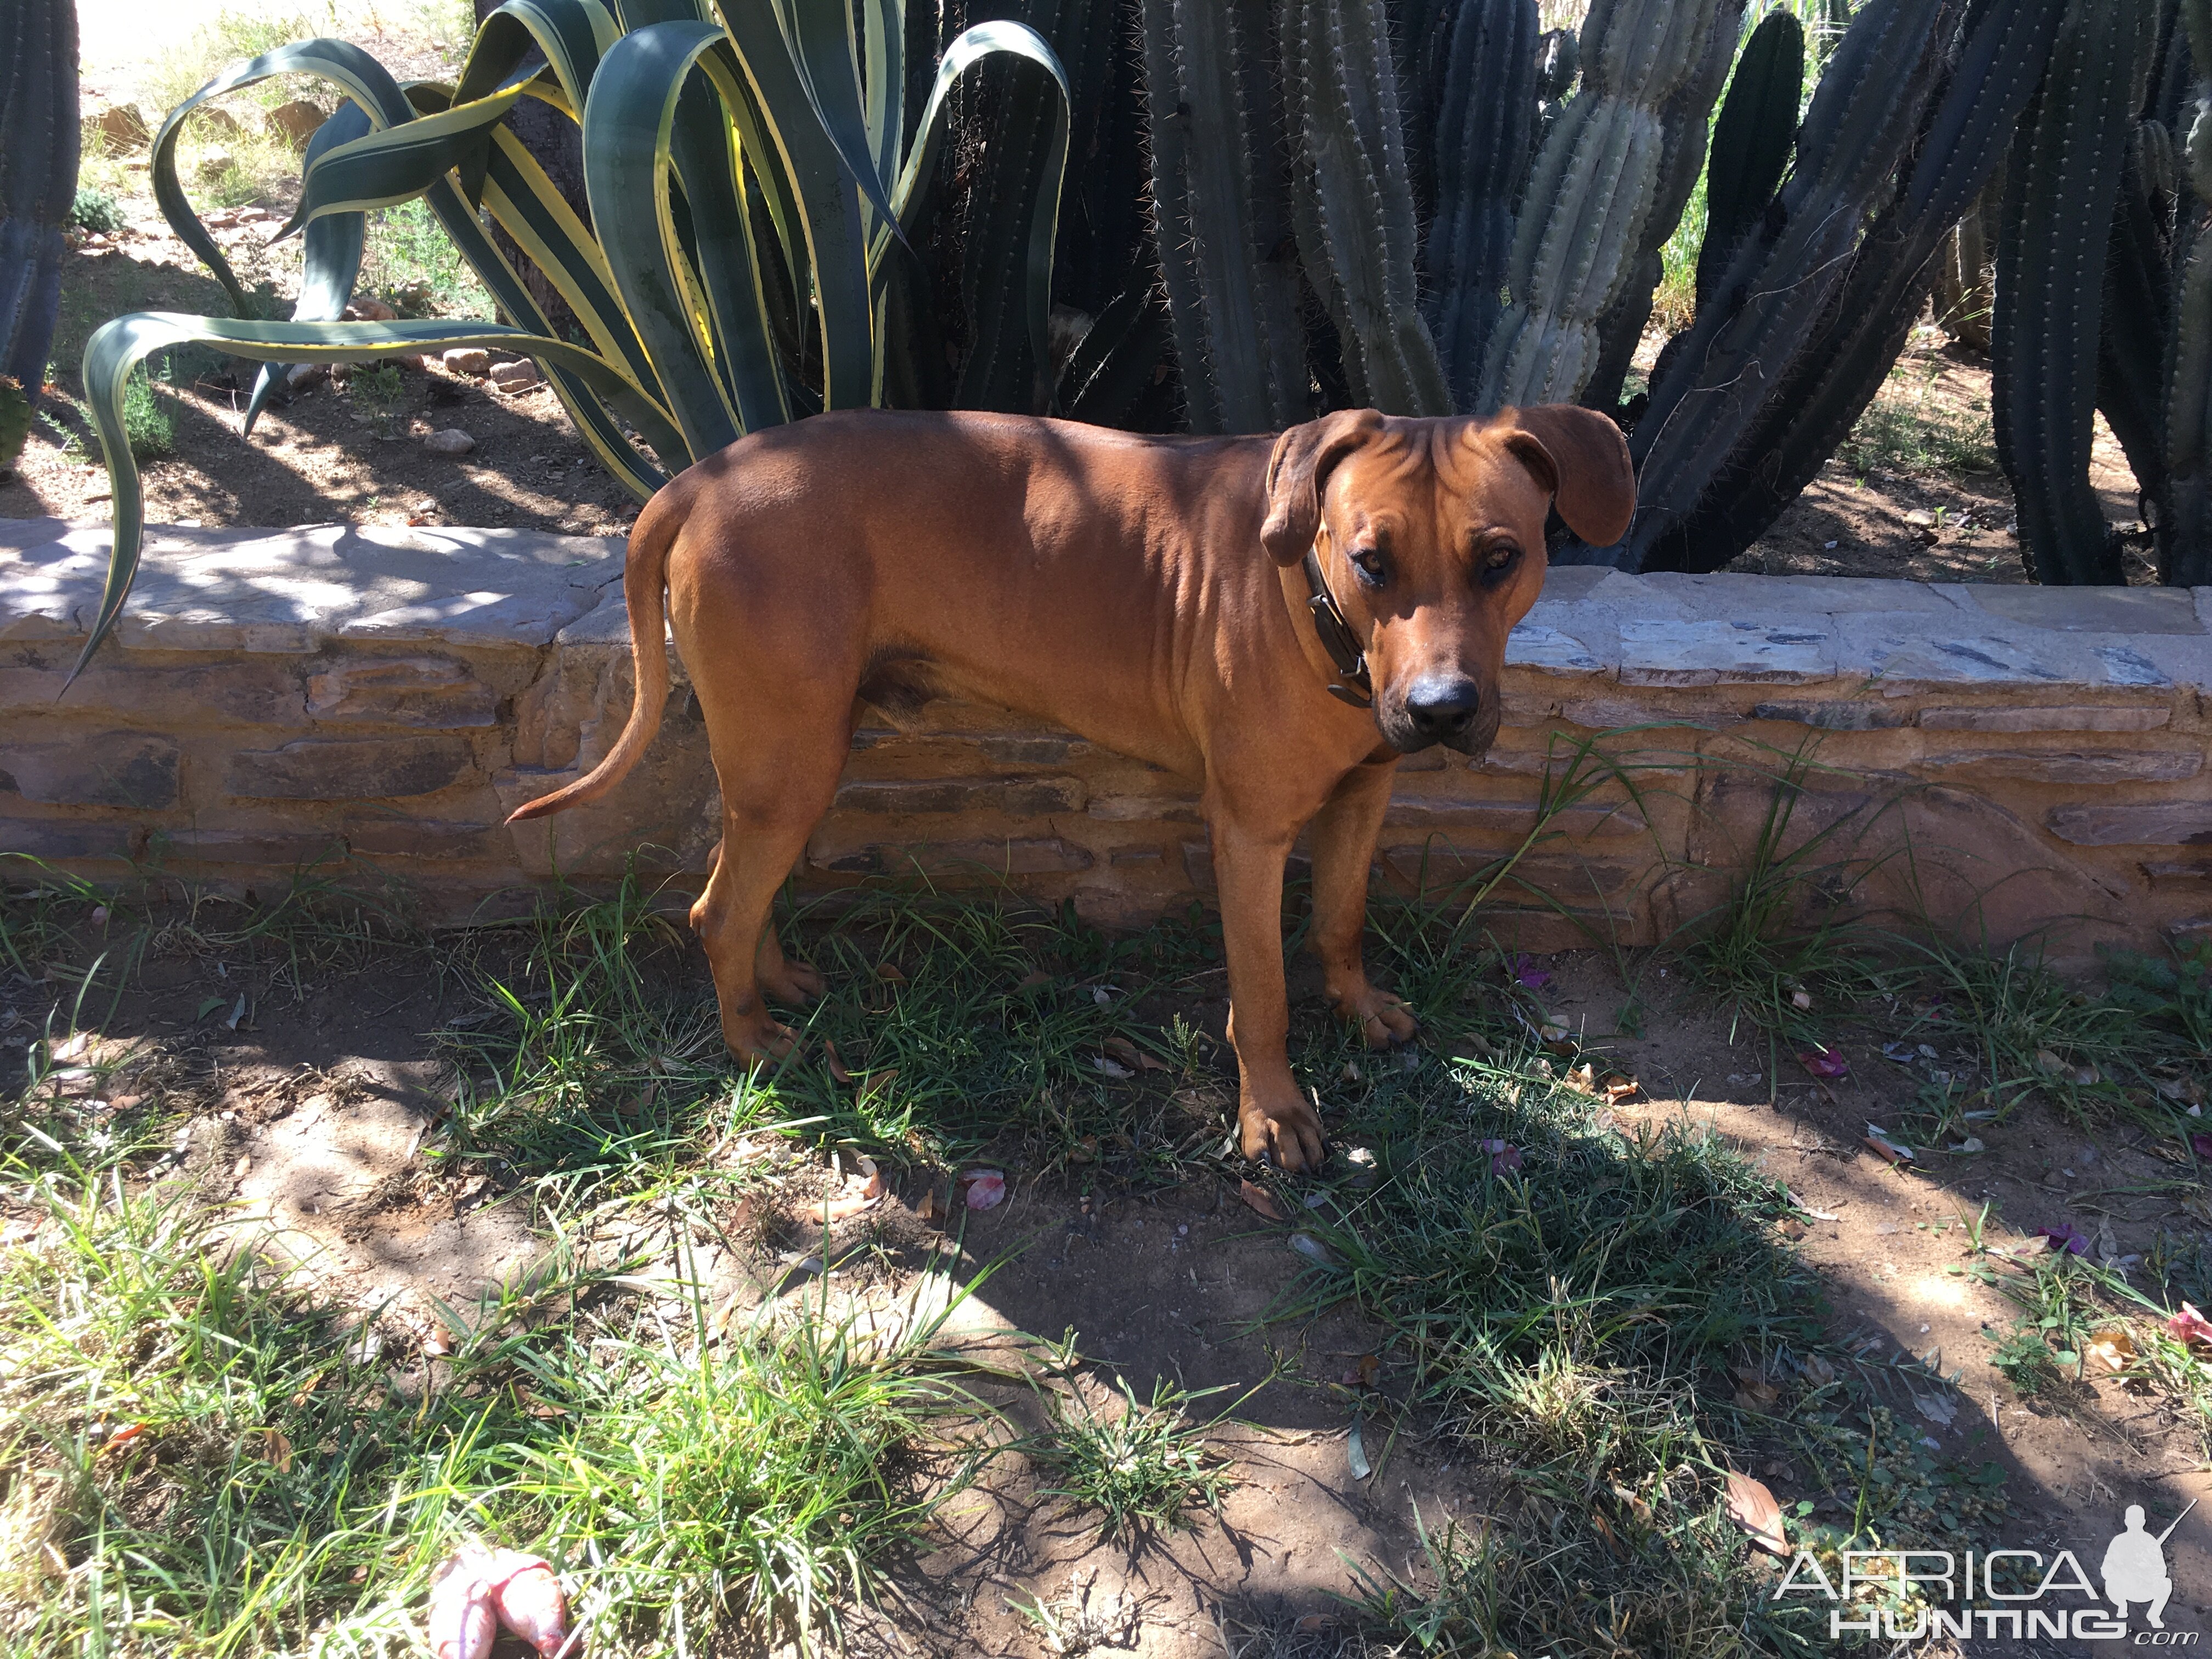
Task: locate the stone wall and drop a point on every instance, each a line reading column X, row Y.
column 2004, row 759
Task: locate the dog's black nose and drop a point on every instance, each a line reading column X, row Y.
column 1442, row 708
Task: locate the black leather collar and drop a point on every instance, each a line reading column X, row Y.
column 1337, row 638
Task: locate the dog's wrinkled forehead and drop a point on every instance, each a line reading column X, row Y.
column 1445, row 475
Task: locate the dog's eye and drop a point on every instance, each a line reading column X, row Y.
column 1369, row 559
column 1498, row 555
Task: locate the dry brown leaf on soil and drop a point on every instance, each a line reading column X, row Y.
column 1260, row 1200
column 861, row 1192
column 1753, row 1508
column 276, row 1449
column 876, row 1085
column 890, row 973
column 1583, row 1079
column 836, row 1066
column 1125, row 1051
column 927, row 1208
column 1620, row 1087
column 2113, row 1348
column 1635, row 1505
column 1030, row 981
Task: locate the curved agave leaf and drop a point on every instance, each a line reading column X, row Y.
column 819, row 33
column 117, row 347
column 971, row 48
column 382, row 169
column 366, row 81
column 826, row 193
column 884, row 55
column 333, row 247
column 628, row 122
column 574, row 34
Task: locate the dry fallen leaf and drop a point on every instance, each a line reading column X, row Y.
column 890, row 974
column 1258, row 1199
column 1635, row 1505
column 1583, row 1079
column 1888, row 1151
column 928, row 1209
column 2114, row 1348
column 276, row 1449
column 877, row 1085
column 1620, row 1087
column 836, row 1066
column 861, row 1192
column 1752, row 1507
column 986, row 1189
column 1125, row 1051
column 1031, row 979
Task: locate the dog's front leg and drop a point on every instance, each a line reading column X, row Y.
column 1273, row 1118
column 1344, row 833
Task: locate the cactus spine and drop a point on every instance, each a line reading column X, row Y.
column 1592, row 193
column 2051, row 249
column 1753, row 137
column 1219, row 194
column 1353, row 204
column 1484, row 114
column 2189, row 378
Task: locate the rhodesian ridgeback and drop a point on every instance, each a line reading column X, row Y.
column 1277, row 619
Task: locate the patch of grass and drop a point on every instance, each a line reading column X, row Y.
column 198, row 1458
column 2173, row 995
column 1781, row 948
column 409, row 256
column 2029, row 1031
column 1143, row 1466
column 1905, row 430
column 226, row 38
column 149, row 425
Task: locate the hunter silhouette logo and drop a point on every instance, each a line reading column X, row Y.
column 2011, row 1594
column 2135, row 1567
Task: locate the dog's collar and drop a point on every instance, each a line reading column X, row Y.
column 1337, row 638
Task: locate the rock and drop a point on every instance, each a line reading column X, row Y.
column 468, row 360
column 112, row 768
column 342, row 768
column 451, row 441
column 123, row 128
column 218, row 121
column 214, row 166
column 367, row 310
column 303, row 375
column 517, row 376
column 295, row 122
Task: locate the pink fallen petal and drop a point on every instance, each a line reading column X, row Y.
column 462, row 1624
column 526, row 1592
column 1823, row 1061
column 985, row 1189
column 2070, row 1240
column 2190, row 1326
column 1527, row 975
column 2200, row 1144
column 1505, row 1157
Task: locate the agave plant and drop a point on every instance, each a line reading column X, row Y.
column 754, row 188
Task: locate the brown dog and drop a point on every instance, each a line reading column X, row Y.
column 1154, row 595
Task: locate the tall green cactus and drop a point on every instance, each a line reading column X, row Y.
column 1753, row 138
column 1352, row 204
column 2138, row 320
column 1683, row 120
column 1486, row 103
column 1595, row 192
column 2051, row 248
column 1740, row 426
column 1822, row 383
column 1698, row 441
column 38, row 176
column 1220, row 198
column 2189, row 375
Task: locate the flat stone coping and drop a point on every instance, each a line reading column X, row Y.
column 289, row 591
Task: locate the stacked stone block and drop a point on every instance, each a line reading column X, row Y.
column 2003, row 760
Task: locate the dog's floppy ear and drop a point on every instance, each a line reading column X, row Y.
column 1298, row 471
column 1581, row 456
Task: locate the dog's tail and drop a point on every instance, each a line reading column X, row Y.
column 645, row 579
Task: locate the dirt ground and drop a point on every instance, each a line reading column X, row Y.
column 312, row 1120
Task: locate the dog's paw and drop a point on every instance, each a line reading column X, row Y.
column 1284, row 1130
column 758, row 1039
column 1381, row 1017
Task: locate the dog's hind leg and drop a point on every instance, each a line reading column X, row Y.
column 1344, row 833
column 772, row 796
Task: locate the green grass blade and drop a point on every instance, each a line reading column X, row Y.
column 117, row 347
column 365, row 79
column 332, row 249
